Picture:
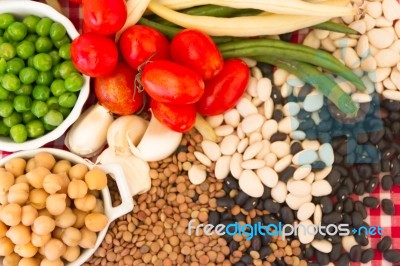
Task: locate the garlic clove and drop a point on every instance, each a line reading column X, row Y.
column 157, row 143
column 88, row 135
column 137, row 171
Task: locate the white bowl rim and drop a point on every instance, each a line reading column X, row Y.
column 43, row 10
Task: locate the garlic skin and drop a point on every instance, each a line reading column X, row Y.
column 124, row 127
column 88, row 135
column 157, row 143
column 136, row 171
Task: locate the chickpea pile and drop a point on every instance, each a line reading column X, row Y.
column 49, row 210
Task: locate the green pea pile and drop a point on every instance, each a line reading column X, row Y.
column 39, row 84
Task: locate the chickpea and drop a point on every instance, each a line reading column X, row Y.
column 19, row 234
column 11, row 214
column 61, row 166
column 46, row 262
column 80, row 218
column 87, row 203
column 43, row 225
column 29, row 214
column 99, row 206
column 11, row 260
column 39, row 240
column 88, row 238
column 4, row 198
column 72, row 253
column 18, row 193
column 96, row 221
column 78, row 171
column 26, row 251
column 95, row 193
column 45, row 159
column 21, row 179
column 57, row 233
column 45, row 212
column 3, row 229
column 16, row 166
column 56, row 203
column 71, row 236
column 6, row 246
column 30, row 165
column 37, row 198
column 7, row 180
column 52, row 183
column 77, row 189
column 36, row 176
column 66, row 219
column 29, row 262
column 96, row 179
column 54, row 249
column 65, row 183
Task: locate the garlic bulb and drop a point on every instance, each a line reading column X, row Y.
column 124, row 127
column 157, row 143
column 88, row 136
column 137, row 171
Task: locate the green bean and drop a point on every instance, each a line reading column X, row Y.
column 336, row 27
column 311, row 75
column 288, row 51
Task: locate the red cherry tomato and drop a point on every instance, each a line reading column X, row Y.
column 117, row 93
column 196, row 50
column 224, row 91
column 138, row 43
column 169, row 82
column 104, row 16
column 94, row 55
column 180, row 118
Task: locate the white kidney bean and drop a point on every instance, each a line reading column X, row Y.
column 201, row 157
column 211, row 150
column 252, row 150
column 235, row 165
column 222, row 167
column 251, row 184
column 229, row 144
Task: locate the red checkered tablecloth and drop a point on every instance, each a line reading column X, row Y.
column 390, row 224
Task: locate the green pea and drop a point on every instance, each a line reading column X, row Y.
column 6, row 108
column 43, row 44
column 6, row 37
column 41, row 92
column 61, row 42
column 56, row 71
column 7, row 51
column 45, row 78
column 11, row 96
column 4, row 130
column 42, row 62
column 64, row 51
column 10, row 82
column 27, row 117
column 3, row 93
column 66, row 68
column 57, row 87
column 67, row 99
column 31, row 38
column 43, row 26
column 5, row 20
column 3, row 66
column 31, row 21
column 39, row 108
column 15, row 65
column 57, row 31
column 13, row 119
column 74, row 82
column 17, row 31
column 25, row 49
column 22, row 103
column 18, row 133
column 55, row 57
column 53, row 118
column 65, row 111
column 28, row 75
column 35, row 128
column 48, row 127
column 25, row 89
column 52, row 103
column 29, row 61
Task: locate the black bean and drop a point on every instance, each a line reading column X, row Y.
column 391, row 105
column 277, row 115
column 256, row 243
column 313, row 264
column 295, row 148
column 266, row 240
column 240, row 217
column 286, row 174
column 359, row 188
column 372, row 185
column 365, row 171
column 250, row 204
column 346, row 218
column 394, row 167
column 280, row 262
column 226, row 223
column 309, row 252
column 376, row 136
column 396, row 180
column 247, row 259
column 367, row 255
column 319, row 236
column 225, row 202
column 269, row 219
column 233, row 246
column 241, row 198
column 348, row 205
column 266, row 69
column 392, row 255
column 376, row 168
column 260, row 205
column 362, row 239
column 326, row 205
column 333, row 178
column 278, row 137
column 355, row 253
column 231, row 182
column 227, row 216
column 384, row 244
column 349, row 184
column 272, row 206
column 339, row 206
column 239, row 263
column 335, row 239
column 264, row 252
column 371, row 202
column 213, row 218
column 342, row 193
column 359, row 207
column 267, row 193
column 318, row 165
column 287, row 215
column 357, row 219
column 388, row 206
column 322, row 258
column 388, row 153
column 344, row 260
column 332, row 218
column 335, row 253
column 387, row 182
column 305, row 90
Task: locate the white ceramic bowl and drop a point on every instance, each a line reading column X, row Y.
column 112, row 212
column 24, row 8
